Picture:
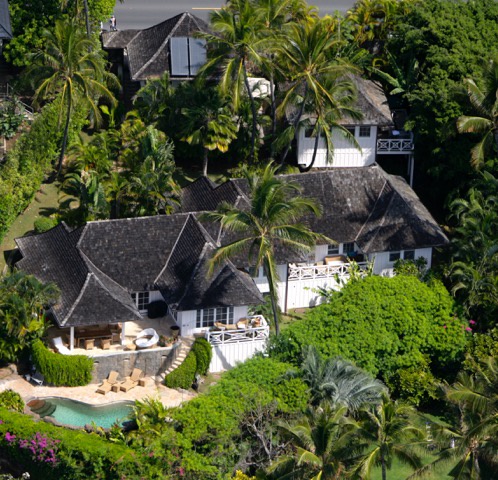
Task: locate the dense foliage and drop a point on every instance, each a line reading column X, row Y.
column 11, row 400
column 62, row 370
column 203, row 353
column 383, row 325
column 65, row 454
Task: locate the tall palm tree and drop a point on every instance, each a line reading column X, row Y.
column 237, row 41
column 151, row 101
column 72, row 66
column 485, row 122
column 304, row 54
column 272, row 218
column 208, row 122
column 387, row 431
column 339, row 382
column 318, row 445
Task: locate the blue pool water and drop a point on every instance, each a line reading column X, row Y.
column 80, row 414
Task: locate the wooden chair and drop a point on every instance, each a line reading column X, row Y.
column 89, row 344
column 131, row 381
column 105, row 343
column 108, row 383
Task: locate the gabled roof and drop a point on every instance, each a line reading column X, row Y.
column 380, row 212
column 98, row 266
column 148, row 49
column 5, row 27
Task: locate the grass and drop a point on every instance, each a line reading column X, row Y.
column 45, row 203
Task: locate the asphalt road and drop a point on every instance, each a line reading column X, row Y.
column 145, row 13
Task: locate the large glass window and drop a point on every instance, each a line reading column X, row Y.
column 207, row 316
column 333, row 249
column 393, row 256
column 348, row 248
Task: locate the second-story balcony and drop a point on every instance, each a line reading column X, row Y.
column 395, row 143
column 318, row 270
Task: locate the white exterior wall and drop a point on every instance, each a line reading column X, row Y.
column 382, row 265
column 187, row 320
column 345, row 154
column 155, row 295
column 302, row 294
column 226, row 356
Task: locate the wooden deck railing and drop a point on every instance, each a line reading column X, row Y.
column 308, row 272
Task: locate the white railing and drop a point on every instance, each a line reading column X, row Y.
column 249, row 334
column 308, row 272
column 394, row 145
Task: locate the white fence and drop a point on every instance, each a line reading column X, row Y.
column 308, row 272
column 394, row 145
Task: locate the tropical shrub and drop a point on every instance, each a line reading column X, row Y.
column 62, row 370
column 382, row 325
column 184, row 375
column 60, row 453
column 203, row 354
column 11, row 400
column 43, row 224
column 481, row 347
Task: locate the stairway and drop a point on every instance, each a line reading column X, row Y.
column 42, row 407
column 186, row 345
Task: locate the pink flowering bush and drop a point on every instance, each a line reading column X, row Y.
column 41, row 448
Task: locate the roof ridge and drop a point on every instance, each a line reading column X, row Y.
column 78, row 298
column 161, row 47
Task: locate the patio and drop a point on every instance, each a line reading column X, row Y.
column 119, row 342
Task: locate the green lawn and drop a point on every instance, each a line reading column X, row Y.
column 44, row 204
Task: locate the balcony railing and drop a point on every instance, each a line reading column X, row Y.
column 248, row 334
column 394, row 145
column 309, row 272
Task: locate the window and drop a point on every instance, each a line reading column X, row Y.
column 364, row 131
column 332, row 249
column 207, row 316
column 141, row 300
column 393, row 256
column 308, row 132
column 348, row 248
column 351, row 130
column 409, row 255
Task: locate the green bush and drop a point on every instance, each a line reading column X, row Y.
column 43, row 224
column 481, row 347
column 184, row 375
column 78, row 455
column 382, row 325
column 11, row 400
column 62, row 370
column 203, row 354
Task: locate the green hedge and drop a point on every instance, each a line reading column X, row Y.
column 197, row 361
column 184, row 375
column 11, row 400
column 31, row 160
column 203, row 354
column 75, row 453
column 62, row 370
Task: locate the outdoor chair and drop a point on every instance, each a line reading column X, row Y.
column 36, row 378
column 107, row 384
column 89, row 344
column 105, row 343
column 60, row 347
column 131, row 381
column 147, row 338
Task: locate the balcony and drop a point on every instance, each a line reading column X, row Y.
column 402, row 143
column 316, row 271
column 252, row 329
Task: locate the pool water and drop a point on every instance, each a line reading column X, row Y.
column 79, row 414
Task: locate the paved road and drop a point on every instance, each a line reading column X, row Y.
column 145, row 13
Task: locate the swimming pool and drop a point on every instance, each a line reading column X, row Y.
column 71, row 412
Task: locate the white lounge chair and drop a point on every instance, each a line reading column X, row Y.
column 147, row 338
column 61, row 348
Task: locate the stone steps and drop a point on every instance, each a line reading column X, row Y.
column 182, row 354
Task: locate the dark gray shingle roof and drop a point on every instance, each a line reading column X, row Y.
column 5, row 27
column 148, row 49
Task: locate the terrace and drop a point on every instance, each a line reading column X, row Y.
column 331, row 266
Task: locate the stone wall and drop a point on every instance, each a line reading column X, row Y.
column 151, row 362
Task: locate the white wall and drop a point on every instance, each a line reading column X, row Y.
column 228, row 355
column 382, row 265
column 345, row 154
column 302, row 294
column 187, row 320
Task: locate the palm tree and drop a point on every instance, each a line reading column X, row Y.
column 71, row 65
column 237, row 41
column 151, row 101
column 485, row 122
column 388, row 431
column 272, row 218
column 208, row 122
column 318, row 445
column 339, row 382
column 471, row 445
column 304, row 56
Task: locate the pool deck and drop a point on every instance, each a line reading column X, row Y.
column 88, row 394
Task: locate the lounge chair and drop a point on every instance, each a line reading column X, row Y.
column 131, row 381
column 107, row 384
column 147, row 338
column 36, row 378
column 60, row 347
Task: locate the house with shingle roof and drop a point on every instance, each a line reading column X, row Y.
column 373, row 217
column 170, row 46
column 5, row 27
column 109, row 272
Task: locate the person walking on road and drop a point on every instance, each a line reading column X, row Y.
column 112, row 23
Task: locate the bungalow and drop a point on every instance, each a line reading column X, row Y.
column 379, row 132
